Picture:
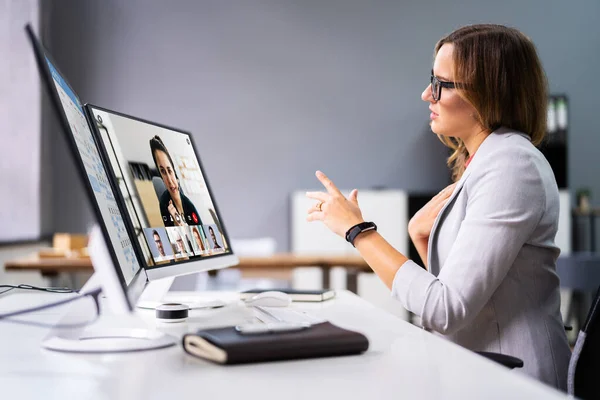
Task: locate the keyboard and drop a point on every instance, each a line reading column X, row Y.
column 285, row 314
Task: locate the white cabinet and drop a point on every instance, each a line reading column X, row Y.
column 387, row 208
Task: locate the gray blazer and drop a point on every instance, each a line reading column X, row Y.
column 492, row 284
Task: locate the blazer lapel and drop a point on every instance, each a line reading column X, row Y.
column 434, row 228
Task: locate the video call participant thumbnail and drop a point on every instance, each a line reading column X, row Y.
column 175, row 207
column 160, row 246
column 199, row 240
column 180, row 242
column 215, row 239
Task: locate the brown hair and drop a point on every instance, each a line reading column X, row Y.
column 507, row 84
column 156, row 144
column 195, row 230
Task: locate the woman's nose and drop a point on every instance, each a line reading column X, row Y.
column 426, row 95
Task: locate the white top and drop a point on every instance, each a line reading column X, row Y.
column 403, row 362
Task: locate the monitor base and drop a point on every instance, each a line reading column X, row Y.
column 155, row 292
column 192, row 305
column 111, row 333
column 110, row 340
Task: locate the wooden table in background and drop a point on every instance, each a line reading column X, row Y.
column 51, row 267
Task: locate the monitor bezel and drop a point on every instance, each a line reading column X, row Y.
column 41, row 54
column 177, row 268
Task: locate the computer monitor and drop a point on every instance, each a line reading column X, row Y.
column 118, row 269
column 104, row 199
column 170, row 206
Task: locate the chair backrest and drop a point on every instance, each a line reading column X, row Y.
column 583, row 379
column 159, row 186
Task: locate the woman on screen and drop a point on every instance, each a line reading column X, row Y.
column 214, row 238
column 198, row 239
column 175, row 207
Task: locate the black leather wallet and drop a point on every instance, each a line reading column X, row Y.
column 229, row 346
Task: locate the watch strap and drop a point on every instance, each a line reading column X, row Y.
column 357, row 229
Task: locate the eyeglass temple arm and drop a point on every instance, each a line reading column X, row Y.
column 94, row 293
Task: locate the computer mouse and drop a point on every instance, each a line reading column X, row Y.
column 270, row 299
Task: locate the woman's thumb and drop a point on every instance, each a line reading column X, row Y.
column 354, row 196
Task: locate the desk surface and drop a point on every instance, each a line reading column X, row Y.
column 277, row 261
column 403, row 362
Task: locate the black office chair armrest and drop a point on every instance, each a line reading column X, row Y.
column 508, row 361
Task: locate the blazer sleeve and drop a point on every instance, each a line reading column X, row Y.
column 506, row 201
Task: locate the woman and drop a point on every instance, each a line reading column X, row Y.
column 198, row 239
column 214, row 238
column 488, row 239
column 175, row 207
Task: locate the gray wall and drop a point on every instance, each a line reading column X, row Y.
column 277, row 89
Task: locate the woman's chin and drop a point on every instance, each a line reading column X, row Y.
column 437, row 129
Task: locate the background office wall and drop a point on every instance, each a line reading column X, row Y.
column 273, row 90
column 20, row 121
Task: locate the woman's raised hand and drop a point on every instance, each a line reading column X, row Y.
column 337, row 213
column 177, row 218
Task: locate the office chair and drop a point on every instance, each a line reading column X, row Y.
column 582, row 379
column 503, row 359
column 159, row 186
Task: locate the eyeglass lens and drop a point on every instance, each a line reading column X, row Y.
column 435, row 88
column 82, row 311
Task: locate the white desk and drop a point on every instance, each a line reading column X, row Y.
column 403, row 362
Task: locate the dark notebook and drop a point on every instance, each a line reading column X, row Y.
column 228, row 346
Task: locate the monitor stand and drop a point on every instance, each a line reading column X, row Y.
column 111, row 333
column 119, row 330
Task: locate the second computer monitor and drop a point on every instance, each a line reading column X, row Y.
column 169, row 202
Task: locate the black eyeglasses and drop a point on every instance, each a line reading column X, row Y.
column 88, row 311
column 437, row 85
column 8, row 288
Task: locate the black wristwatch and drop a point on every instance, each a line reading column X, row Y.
column 358, row 229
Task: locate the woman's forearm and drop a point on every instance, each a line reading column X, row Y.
column 380, row 255
column 421, row 246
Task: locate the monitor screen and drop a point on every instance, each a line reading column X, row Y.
column 97, row 177
column 166, row 193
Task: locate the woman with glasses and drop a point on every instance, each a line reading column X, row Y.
column 175, row 207
column 487, row 240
